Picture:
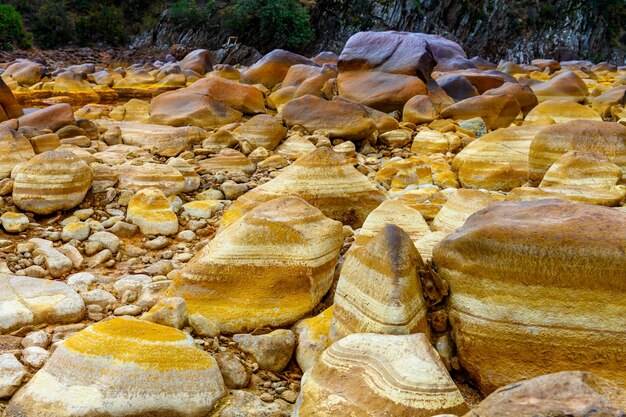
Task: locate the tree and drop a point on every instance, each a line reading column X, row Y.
column 12, row 33
column 53, row 25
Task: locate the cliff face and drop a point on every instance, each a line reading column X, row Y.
column 517, row 30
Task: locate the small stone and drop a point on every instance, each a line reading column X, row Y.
column 84, row 214
column 234, row 373
column 186, row 236
column 34, row 271
column 203, row 209
column 78, row 230
column 232, row 190
column 157, row 243
column 12, row 372
column 81, row 281
column 35, row 356
column 123, row 229
column 129, row 310
column 289, row 396
column 39, row 339
column 99, row 297
column 271, row 351
column 100, row 258
column 107, row 239
column 203, row 327
column 14, row 222
column 210, row 195
column 267, row 397
column 171, row 311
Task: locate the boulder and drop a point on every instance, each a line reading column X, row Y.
column 150, row 210
column 15, row 149
column 51, row 181
column 579, row 168
column 198, row 61
column 25, row 72
column 375, row 375
column 323, row 178
column 287, row 249
column 575, row 394
column 461, row 204
column 53, row 117
column 272, row 68
column 560, row 111
column 340, row 119
column 10, row 108
column 26, row 301
column 313, row 338
column 378, row 290
column 123, row 367
column 457, row 87
column 164, row 177
column 271, row 351
column 608, row 139
column 542, row 291
column 566, row 86
column 260, row 131
column 497, row 111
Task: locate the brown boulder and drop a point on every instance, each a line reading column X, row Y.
column 340, row 118
column 198, row 61
column 272, row 68
column 497, row 111
column 522, row 93
column 53, row 117
column 9, row 107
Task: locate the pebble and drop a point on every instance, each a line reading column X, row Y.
column 14, row 222
column 35, row 356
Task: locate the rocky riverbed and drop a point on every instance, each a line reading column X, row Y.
column 395, row 231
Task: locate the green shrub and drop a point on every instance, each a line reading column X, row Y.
column 190, row 13
column 12, row 33
column 53, row 25
column 270, row 24
column 102, row 24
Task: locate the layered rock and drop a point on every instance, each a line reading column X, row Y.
column 498, row 160
column 542, row 291
column 578, row 168
column 608, row 139
column 378, row 290
column 51, row 181
column 313, row 338
column 324, row 179
column 461, row 204
column 372, row 375
column 287, row 250
column 559, row 111
column 123, row 367
column 566, row 86
column 260, row 131
column 53, row 117
column 26, row 301
column 14, row 149
column 164, row 177
column 150, row 210
column 272, row 68
column 391, row 212
column 9, row 107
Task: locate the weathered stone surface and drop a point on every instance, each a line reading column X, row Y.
column 53, row 117
column 575, row 394
column 378, row 290
column 12, row 372
column 272, row 68
column 579, row 168
column 287, row 249
column 372, row 375
column 496, row 110
column 559, row 111
column 262, row 130
column 312, row 338
column 150, row 175
column 566, row 86
column 541, row 293
column 14, row 149
column 324, row 179
column 272, row 351
column 150, row 210
column 608, row 139
column 198, row 60
column 340, row 118
column 498, row 160
column 51, row 181
column 25, row 301
column 460, row 205
column 228, row 160
column 150, row 370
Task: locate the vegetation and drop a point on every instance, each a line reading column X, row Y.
column 53, row 26
column 191, row 14
column 12, row 33
column 271, row 23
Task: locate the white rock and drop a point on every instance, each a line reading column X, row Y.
column 56, row 263
column 40, row 339
column 81, row 281
column 35, row 356
column 14, row 222
column 99, row 297
column 108, row 240
column 78, row 230
column 11, row 374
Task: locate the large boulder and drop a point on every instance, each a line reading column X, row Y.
column 378, row 290
column 24, row 72
column 53, row 117
column 51, row 181
column 123, row 367
column 340, row 118
column 198, row 61
column 273, row 67
column 496, row 110
column 604, row 138
column 287, row 251
column 326, row 180
column 572, row 394
column 498, row 160
column 385, row 69
column 372, row 375
column 566, row 86
column 537, row 287
column 15, row 148
column 9, row 107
